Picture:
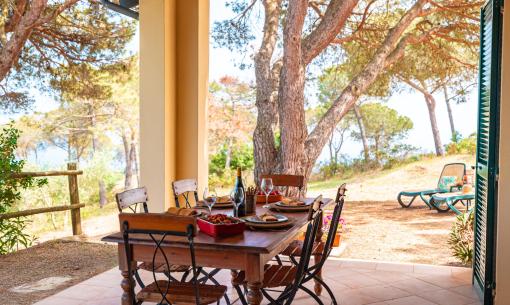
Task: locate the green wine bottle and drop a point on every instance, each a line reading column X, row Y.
column 241, row 212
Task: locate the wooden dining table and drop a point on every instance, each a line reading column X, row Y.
column 249, row 251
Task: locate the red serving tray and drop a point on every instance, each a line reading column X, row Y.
column 217, row 230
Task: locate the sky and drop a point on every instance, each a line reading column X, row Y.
column 223, row 62
column 408, row 103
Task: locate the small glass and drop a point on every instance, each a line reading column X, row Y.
column 266, row 185
column 237, row 196
column 210, row 198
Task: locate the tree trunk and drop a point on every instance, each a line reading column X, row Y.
column 128, row 170
column 264, row 145
column 102, row 194
column 431, row 106
column 364, row 140
column 228, row 153
column 331, row 149
column 377, row 154
column 299, row 150
column 136, row 167
column 293, row 129
column 93, row 125
column 450, row 114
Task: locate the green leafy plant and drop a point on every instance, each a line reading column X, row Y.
column 12, row 230
column 462, row 145
column 461, row 238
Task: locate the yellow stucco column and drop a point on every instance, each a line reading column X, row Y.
column 174, row 50
column 503, row 221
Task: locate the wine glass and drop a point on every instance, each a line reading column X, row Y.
column 237, row 196
column 210, row 198
column 266, row 185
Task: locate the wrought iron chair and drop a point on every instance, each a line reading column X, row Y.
column 156, row 228
column 290, row 277
column 287, row 181
column 187, row 189
column 136, row 200
column 184, row 189
column 320, row 249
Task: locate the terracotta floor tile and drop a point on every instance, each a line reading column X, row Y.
column 446, row 297
column 412, row 300
column 353, row 282
column 359, row 265
column 443, row 281
column 384, row 293
column 354, row 297
column 432, row 269
column 467, row 291
column 359, row 281
column 395, row 267
column 388, row 277
column 414, row 285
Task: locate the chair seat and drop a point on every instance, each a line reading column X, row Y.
column 295, row 247
column 181, row 293
column 274, row 276
column 160, row 268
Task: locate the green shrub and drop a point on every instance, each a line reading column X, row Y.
column 219, row 176
column 462, row 146
column 461, row 238
column 13, row 235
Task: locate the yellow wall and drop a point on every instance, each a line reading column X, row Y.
column 503, row 229
column 174, row 50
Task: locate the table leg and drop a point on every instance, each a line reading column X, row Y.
column 254, row 277
column 127, row 279
column 254, row 294
column 126, row 284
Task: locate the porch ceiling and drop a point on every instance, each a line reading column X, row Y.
column 125, row 7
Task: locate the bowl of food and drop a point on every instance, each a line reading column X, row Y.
column 274, row 196
column 220, row 225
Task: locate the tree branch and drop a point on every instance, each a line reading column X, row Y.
column 316, row 139
column 335, row 17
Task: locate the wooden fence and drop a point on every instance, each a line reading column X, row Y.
column 74, row 205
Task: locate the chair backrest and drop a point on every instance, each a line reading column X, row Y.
column 314, row 207
column 158, row 227
column 312, row 230
column 130, row 199
column 287, row 181
column 457, row 170
column 335, row 220
column 183, row 189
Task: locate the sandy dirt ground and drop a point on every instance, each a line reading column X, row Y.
column 384, row 231
column 30, row 275
column 379, row 229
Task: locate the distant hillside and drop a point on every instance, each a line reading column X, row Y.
column 384, row 185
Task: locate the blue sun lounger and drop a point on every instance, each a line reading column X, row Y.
column 451, row 174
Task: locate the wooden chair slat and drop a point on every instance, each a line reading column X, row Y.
column 131, row 197
column 181, row 293
column 286, row 180
column 157, row 222
column 183, row 186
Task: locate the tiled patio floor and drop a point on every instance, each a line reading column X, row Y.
column 353, row 282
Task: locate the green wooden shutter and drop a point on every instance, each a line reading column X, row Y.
column 487, row 149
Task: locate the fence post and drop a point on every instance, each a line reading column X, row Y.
column 75, row 199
